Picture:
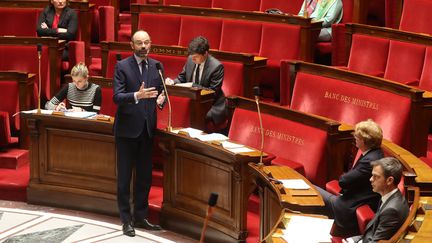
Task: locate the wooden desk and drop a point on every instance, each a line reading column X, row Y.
column 274, row 198
column 192, row 170
column 72, row 163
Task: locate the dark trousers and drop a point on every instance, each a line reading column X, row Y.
column 134, row 152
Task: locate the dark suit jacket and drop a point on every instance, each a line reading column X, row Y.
column 356, row 190
column 131, row 117
column 68, row 20
column 212, row 78
column 388, row 219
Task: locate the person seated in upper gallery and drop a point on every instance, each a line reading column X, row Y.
column 80, row 94
column 393, row 209
column 203, row 70
column 58, row 20
column 328, row 11
column 356, row 189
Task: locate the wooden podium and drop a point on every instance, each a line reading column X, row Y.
column 192, row 170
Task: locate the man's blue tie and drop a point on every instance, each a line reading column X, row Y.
column 144, row 73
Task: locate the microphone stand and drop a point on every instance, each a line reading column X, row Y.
column 260, row 164
column 39, row 47
column 169, row 128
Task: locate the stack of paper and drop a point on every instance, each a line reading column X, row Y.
column 79, row 114
column 298, row 184
column 193, row 133
column 212, row 137
column 302, row 229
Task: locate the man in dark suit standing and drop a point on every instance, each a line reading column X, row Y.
column 136, row 87
column 355, row 187
column 393, row 210
column 203, row 70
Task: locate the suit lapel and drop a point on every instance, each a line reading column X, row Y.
column 380, row 209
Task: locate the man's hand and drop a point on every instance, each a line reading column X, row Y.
column 44, row 25
column 161, row 99
column 60, row 107
column 144, row 93
column 61, row 30
column 169, row 81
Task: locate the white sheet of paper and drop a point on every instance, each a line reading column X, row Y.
column 188, row 84
column 80, row 114
column 212, row 137
column 317, row 230
column 240, row 150
column 230, row 145
column 295, row 184
column 193, row 133
column 45, row 112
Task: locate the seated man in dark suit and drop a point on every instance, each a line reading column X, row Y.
column 355, row 187
column 203, row 70
column 393, row 210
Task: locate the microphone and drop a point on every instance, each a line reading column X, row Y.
column 118, row 57
column 159, row 68
column 256, row 92
column 39, row 51
column 211, row 203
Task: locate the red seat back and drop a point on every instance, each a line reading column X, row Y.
column 247, row 36
column 193, row 26
column 405, row 62
column 19, row 21
column 192, row 3
column 108, row 107
column 368, row 55
column 5, row 134
column 9, row 91
column 415, row 16
column 283, row 138
column 164, row 29
column 426, row 77
column 233, row 80
column 249, row 5
column 280, row 41
column 112, row 60
column 291, row 6
column 348, row 7
column 180, row 113
column 351, row 103
column 172, row 65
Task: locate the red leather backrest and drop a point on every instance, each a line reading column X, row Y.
column 368, row 55
column 101, row 2
column 5, row 135
column 9, row 92
column 193, row 3
column 405, row 62
column 164, row 29
column 233, row 80
column 351, row 103
column 426, row 77
column 291, row 6
column 249, row 5
column 25, row 59
column 415, row 16
column 180, row 113
column 280, row 41
column 193, row 26
column 19, row 21
column 241, row 36
column 106, row 23
column 347, row 7
column 112, row 60
column 172, row 65
column 283, row 138
column 108, row 107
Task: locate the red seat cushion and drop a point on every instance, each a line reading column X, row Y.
column 364, row 215
column 193, row 26
column 368, row 55
column 164, row 29
column 333, row 187
column 247, row 36
column 405, row 62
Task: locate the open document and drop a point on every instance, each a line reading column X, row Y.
column 298, row 184
column 304, row 229
column 193, row 133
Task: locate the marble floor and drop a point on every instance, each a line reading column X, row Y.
column 21, row 223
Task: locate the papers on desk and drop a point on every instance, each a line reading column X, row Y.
column 193, row 133
column 188, row 84
column 45, row 112
column 79, row 114
column 297, row 184
column 212, row 137
column 240, row 150
column 303, row 229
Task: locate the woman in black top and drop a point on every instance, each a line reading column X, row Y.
column 80, row 94
column 58, row 20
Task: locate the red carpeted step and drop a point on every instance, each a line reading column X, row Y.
column 155, row 203
column 13, row 158
column 253, row 221
column 13, row 183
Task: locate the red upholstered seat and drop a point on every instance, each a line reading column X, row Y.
column 368, row 55
column 426, row 76
column 163, row 28
column 249, row 5
column 19, row 21
column 172, row 65
column 364, row 215
column 180, row 113
column 10, row 104
column 5, row 135
column 292, row 6
column 112, row 60
column 288, row 140
column 405, row 62
column 247, row 36
column 192, row 3
column 233, row 79
column 351, row 103
column 193, row 26
column 106, row 23
column 415, row 16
